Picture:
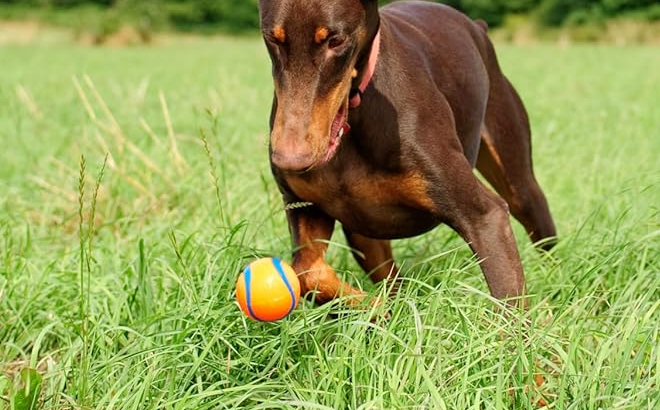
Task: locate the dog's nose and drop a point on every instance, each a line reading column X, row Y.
column 294, row 163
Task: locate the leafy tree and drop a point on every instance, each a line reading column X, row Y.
column 242, row 14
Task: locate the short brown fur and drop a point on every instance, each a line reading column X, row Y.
column 437, row 106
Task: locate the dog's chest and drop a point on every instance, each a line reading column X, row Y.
column 377, row 205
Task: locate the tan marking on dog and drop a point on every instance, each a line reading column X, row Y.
column 500, row 175
column 321, row 34
column 487, row 139
column 323, row 115
column 279, row 34
column 315, row 275
column 408, row 189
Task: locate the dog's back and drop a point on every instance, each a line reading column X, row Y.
column 454, row 51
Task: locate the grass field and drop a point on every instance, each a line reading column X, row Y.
column 116, row 281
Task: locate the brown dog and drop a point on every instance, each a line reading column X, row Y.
column 426, row 101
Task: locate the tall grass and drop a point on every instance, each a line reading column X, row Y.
column 121, row 297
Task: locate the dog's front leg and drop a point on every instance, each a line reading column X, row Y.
column 482, row 219
column 490, row 236
column 311, row 228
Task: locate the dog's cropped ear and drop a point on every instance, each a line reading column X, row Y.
column 265, row 6
column 371, row 9
column 370, row 4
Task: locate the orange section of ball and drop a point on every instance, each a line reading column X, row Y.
column 262, row 292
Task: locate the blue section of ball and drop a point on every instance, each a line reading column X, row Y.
column 278, row 266
column 248, row 292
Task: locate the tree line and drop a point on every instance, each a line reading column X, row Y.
column 553, row 13
column 242, row 14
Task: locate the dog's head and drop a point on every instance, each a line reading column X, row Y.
column 314, row 46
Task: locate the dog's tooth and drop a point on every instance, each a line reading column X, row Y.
column 341, row 132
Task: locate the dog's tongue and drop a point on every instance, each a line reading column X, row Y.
column 337, row 124
column 339, row 127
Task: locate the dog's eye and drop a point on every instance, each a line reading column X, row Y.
column 336, row 42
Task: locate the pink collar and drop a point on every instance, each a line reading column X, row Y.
column 356, row 93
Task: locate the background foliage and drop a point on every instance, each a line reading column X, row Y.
column 238, row 15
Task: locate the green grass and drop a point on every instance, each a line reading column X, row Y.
column 131, row 307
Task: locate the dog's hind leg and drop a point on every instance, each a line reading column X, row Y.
column 505, row 160
column 375, row 257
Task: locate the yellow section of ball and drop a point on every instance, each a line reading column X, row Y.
column 268, row 290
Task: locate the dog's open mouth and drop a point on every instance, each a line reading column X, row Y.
column 337, row 131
